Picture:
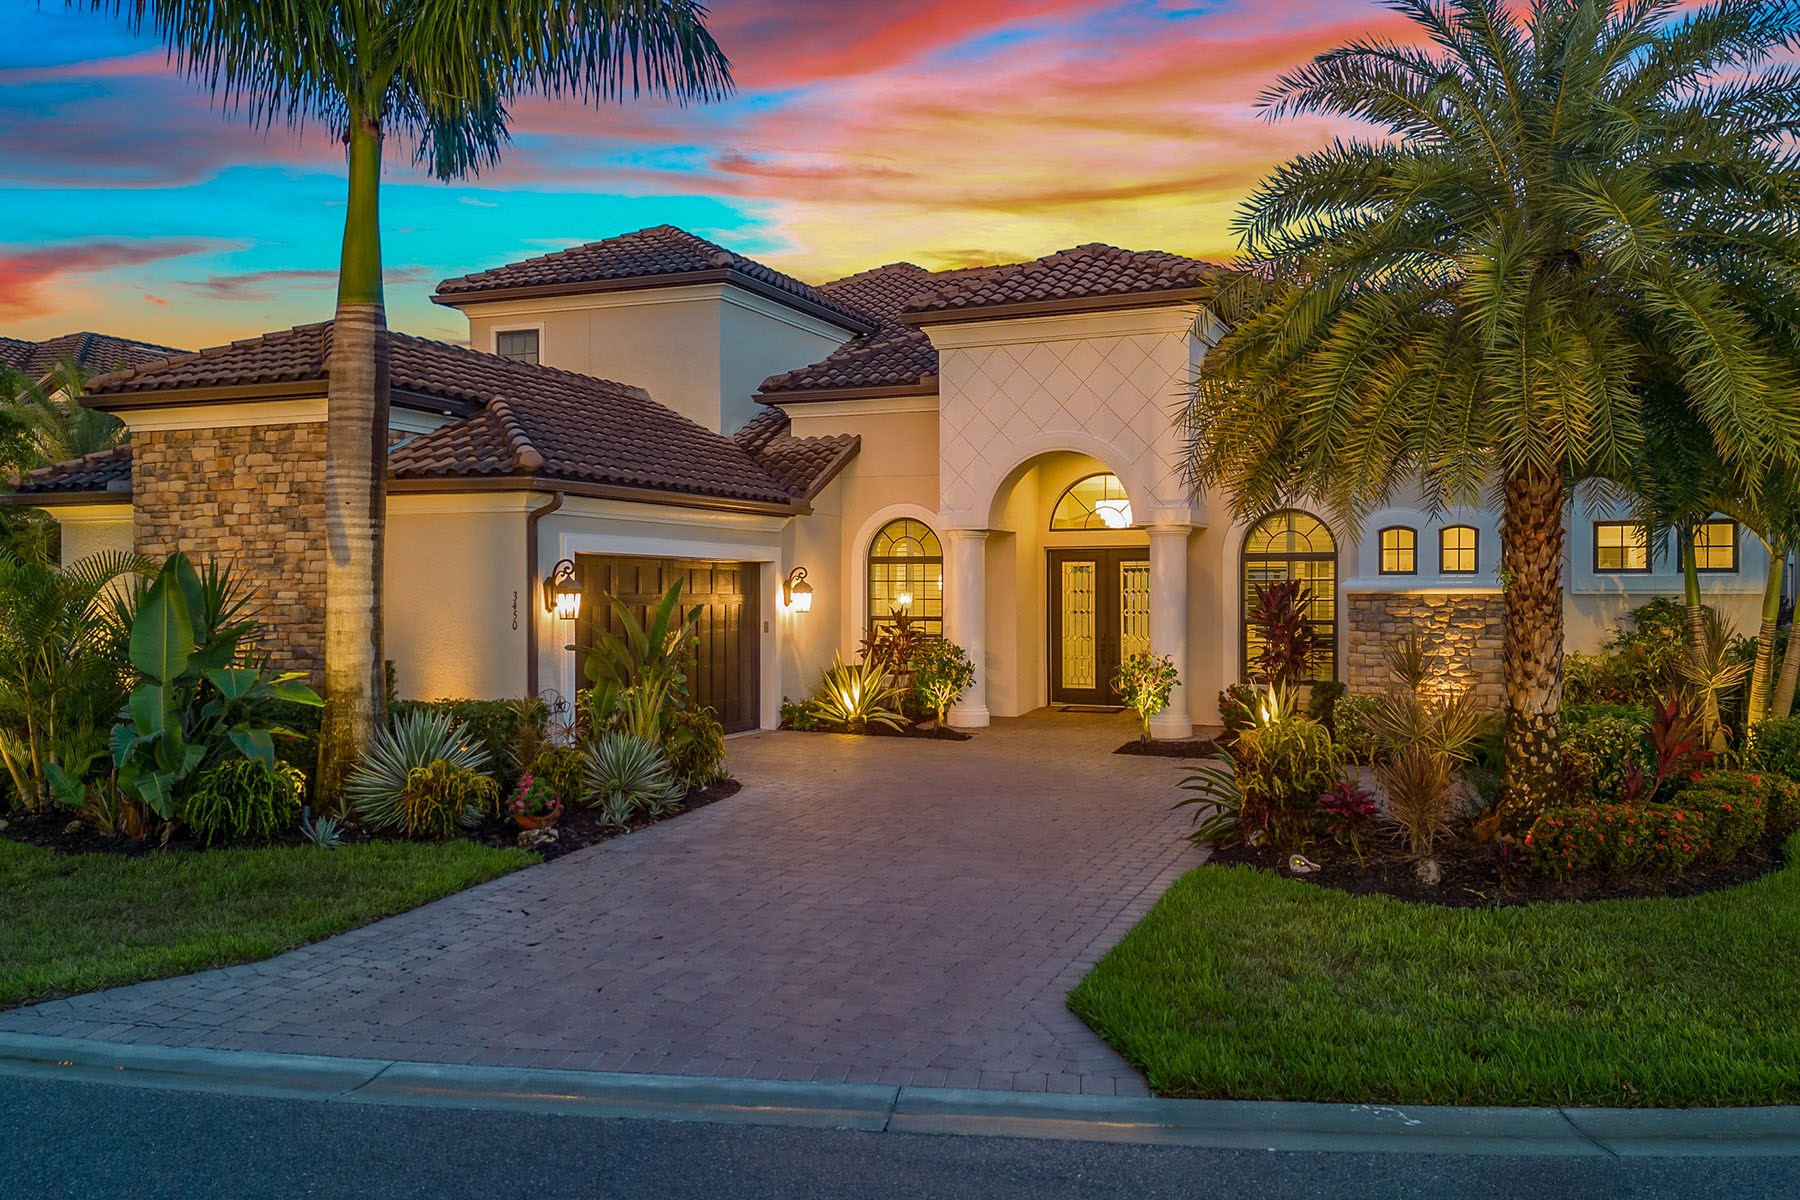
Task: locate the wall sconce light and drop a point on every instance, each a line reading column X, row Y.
column 562, row 595
column 796, row 593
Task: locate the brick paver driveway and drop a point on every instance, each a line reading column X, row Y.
column 865, row 910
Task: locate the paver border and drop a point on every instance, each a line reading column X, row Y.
column 1216, row 1124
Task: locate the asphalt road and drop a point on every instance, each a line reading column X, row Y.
column 94, row 1140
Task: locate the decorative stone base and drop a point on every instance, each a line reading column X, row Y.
column 968, row 716
column 1462, row 630
column 1169, row 725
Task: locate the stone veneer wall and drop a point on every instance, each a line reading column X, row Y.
column 253, row 495
column 1463, row 628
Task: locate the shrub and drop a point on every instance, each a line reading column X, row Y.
column 1213, row 793
column 799, row 716
column 695, row 744
column 1353, row 727
column 509, row 732
column 1580, row 714
column 1784, row 804
column 1144, row 681
column 1598, row 751
column 851, row 698
column 1284, row 761
column 1734, row 806
column 1349, row 811
column 1653, row 839
column 377, row 788
column 440, row 795
column 243, row 798
column 1321, row 703
column 1278, row 612
column 941, row 673
column 559, row 768
column 626, row 774
column 1237, row 708
column 200, row 696
column 1775, row 746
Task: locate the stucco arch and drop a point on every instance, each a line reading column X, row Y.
column 992, row 479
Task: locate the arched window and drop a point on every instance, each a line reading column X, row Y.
column 1294, row 545
column 906, row 574
column 1097, row 502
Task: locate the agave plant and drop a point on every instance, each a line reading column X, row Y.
column 854, row 697
column 626, row 774
column 377, row 788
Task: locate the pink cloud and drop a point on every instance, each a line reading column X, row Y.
column 26, row 274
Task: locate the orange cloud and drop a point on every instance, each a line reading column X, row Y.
column 26, row 274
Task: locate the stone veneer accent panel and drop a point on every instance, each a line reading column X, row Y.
column 253, row 495
column 1463, row 628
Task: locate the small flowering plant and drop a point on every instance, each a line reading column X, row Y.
column 535, row 798
column 1349, row 812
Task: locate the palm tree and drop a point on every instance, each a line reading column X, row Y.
column 1465, row 306
column 439, row 74
column 58, row 425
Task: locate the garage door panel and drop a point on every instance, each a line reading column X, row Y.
column 724, row 674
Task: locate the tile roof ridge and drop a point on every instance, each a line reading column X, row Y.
column 183, row 357
column 525, row 456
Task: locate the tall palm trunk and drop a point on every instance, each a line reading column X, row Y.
column 1763, row 673
column 1790, row 675
column 1696, row 611
column 355, row 476
column 1531, row 540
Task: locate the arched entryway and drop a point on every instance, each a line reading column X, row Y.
column 1293, row 545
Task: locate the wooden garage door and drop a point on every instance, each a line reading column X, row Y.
column 724, row 675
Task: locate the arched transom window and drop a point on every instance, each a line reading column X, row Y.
column 1294, row 545
column 906, row 574
column 1097, row 502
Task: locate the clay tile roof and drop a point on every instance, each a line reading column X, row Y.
column 93, row 351
column 1086, row 272
column 287, row 356
column 529, row 421
column 101, row 471
column 554, row 424
column 659, row 254
column 895, row 355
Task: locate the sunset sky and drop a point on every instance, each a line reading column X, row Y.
column 945, row 132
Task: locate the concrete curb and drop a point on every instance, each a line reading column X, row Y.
column 1217, row 1124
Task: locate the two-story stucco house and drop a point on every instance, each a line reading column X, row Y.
column 995, row 451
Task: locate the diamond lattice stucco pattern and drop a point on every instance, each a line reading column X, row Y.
column 995, row 401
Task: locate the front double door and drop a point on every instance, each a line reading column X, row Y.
column 1099, row 603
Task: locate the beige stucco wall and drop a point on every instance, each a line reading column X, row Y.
column 702, row 350
column 93, row 529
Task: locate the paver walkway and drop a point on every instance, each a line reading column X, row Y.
column 864, row 910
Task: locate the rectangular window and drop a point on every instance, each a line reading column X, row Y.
column 1457, row 553
column 520, row 345
column 1621, row 546
column 1399, row 551
column 1716, row 546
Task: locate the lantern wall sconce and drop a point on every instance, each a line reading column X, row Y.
column 796, row 593
column 562, row 595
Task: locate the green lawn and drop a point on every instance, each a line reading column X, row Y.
column 1242, row 984
column 73, row 923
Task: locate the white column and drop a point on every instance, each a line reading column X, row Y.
column 1169, row 622
column 965, row 618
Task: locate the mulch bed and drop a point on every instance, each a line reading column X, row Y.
column 58, row 830
column 581, row 827
column 1485, row 876
column 1185, row 748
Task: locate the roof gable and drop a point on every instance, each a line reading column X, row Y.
column 660, row 256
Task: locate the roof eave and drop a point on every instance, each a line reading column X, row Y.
column 252, row 393
column 832, row 471
column 1167, row 298
column 927, row 385
column 65, row 499
column 731, row 275
column 601, row 491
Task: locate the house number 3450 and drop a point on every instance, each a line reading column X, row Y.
column 515, row 610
